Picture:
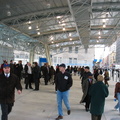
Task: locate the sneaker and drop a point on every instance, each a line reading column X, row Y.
column 68, row 112
column 117, row 109
column 59, row 118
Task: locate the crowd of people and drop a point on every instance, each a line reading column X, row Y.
column 94, row 86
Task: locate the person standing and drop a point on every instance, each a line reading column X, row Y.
column 8, row 83
column 28, row 74
column 36, row 75
column 63, row 83
column 46, row 73
column 98, row 92
column 117, row 95
column 52, row 74
column 19, row 68
column 11, row 66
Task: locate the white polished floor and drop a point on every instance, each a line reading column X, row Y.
column 41, row 105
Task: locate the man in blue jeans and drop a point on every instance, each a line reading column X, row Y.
column 63, row 83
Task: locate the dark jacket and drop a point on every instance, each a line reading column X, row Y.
column 7, row 88
column 85, row 76
column 63, row 81
column 19, row 68
column 98, row 93
column 36, row 72
column 11, row 68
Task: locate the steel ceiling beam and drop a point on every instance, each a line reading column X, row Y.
column 57, row 31
column 57, row 10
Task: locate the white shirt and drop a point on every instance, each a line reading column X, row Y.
column 7, row 74
column 29, row 70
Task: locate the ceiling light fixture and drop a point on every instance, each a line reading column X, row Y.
column 70, row 39
column 104, row 20
column 63, row 24
column 99, row 32
column 99, row 37
column 8, row 13
column 29, row 22
column 58, row 17
column 70, row 34
column 52, row 42
column 30, row 27
column 38, row 33
column 48, row 5
column 64, row 29
column 97, row 41
column 104, row 25
column 59, row 22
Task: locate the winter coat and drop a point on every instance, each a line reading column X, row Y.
column 7, row 88
column 85, row 88
column 98, row 93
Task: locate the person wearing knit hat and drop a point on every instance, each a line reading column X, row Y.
column 98, row 92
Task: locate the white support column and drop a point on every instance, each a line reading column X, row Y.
column 47, row 50
column 31, row 58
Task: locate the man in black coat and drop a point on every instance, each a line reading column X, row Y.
column 8, row 83
column 46, row 73
column 28, row 75
column 36, row 75
column 11, row 66
column 19, row 68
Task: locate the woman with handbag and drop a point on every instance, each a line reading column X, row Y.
column 106, row 77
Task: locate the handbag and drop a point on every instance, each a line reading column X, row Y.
column 107, row 78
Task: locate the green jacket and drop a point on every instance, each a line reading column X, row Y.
column 98, row 93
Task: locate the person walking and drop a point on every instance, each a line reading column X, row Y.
column 63, row 83
column 117, row 95
column 106, row 77
column 8, row 83
column 98, row 92
column 85, row 88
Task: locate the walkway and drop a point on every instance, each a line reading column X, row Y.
column 41, row 105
